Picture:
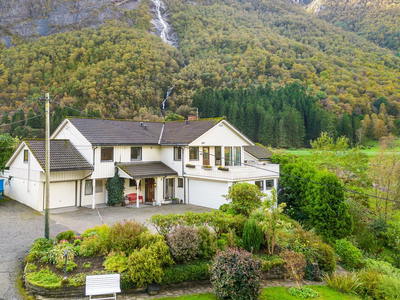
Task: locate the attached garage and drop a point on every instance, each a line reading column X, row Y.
column 62, row 194
column 207, row 193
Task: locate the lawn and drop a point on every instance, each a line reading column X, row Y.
column 278, row 293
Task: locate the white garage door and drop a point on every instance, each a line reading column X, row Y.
column 207, row 193
column 62, row 194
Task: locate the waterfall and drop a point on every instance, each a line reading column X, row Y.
column 161, row 25
column 166, row 97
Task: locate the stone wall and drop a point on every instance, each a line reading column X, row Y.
column 274, row 273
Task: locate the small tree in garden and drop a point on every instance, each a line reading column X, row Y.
column 115, row 189
column 235, row 275
column 272, row 224
column 245, row 197
column 252, row 236
column 294, row 265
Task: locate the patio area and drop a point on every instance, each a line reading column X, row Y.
column 81, row 218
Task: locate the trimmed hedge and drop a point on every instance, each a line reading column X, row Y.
column 197, row 270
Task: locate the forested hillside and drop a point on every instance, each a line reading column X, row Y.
column 118, row 69
column 376, row 20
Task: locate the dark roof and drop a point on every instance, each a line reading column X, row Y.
column 258, row 151
column 63, row 155
column 116, row 132
column 146, row 169
column 182, row 133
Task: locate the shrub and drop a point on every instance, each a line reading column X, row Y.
column 304, row 292
column 44, row 278
column 145, row 265
column 257, row 214
column 184, row 243
column 95, row 241
column 268, row 262
column 371, row 281
column 345, row 283
column 115, row 187
column 235, row 275
column 348, row 254
column 68, row 235
column 208, row 245
column 40, row 249
column 197, row 270
column 56, row 256
column 389, row 289
column 382, row 267
column 125, row 236
column 294, row 265
column 228, row 240
column 116, row 262
column 245, row 197
column 252, row 236
column 325, row 257
column 90, row 246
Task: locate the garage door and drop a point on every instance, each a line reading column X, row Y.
column 62, row 194
column 207, row 193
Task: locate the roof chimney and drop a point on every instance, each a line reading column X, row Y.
column 141, row 124
column 145, row 127
column 186, row 122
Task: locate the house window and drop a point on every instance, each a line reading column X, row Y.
column 136, row 153
column 88, row 187
column 237, row 156
column 26, row 155
column 99, row 186
column 177, row 153
column 132, row 182
column 180, row 182
column 269, row 184
column 169, row 188
column 218, row 156
column 194, row 153
column 228, row 156
column 107, row 153
column 260, row 185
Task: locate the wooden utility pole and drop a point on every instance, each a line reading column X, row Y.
column 46, row 210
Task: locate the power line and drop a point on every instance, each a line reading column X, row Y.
column 5, row 124
column 299, row 178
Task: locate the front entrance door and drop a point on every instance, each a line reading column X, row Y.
column 149, row 188
column 206, row 156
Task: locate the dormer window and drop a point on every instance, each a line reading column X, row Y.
column 136, row 153
column 26, row 155
column 107, row 154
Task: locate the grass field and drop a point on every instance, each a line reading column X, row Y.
column 279, row 293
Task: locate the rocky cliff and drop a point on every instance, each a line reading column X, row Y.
column 35, row 18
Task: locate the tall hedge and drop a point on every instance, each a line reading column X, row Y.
column 115, row 189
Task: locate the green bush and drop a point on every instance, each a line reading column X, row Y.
column 389, row 289
column 116, row 262
column 244, row 198
column 184, row 243
column 208, row 245
column 56, row 256
column 345, row 283
column 197, row 270
column 68, row 235
column 40, row 249
column 371, row 281
column 304, row 292
column 235, row 275
column 252, row 236
column 125, row 236
column 325, row 257
column 95, row 241
column 269, row 262
column 115, row 187
column 348, row 254
column 381, row 267
column 146, row 265
column 44, row 278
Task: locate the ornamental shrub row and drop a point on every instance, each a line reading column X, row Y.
column 198, row 270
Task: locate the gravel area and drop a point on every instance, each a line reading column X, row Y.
column 19, row 227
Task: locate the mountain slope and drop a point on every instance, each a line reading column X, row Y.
column 376, row 20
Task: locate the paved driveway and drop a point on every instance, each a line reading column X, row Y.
column 20, row 226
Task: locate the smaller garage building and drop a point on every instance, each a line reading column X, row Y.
column 28, row 178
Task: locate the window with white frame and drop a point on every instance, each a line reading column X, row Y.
column 260, row 185
column 136, row 153
column 218, row 155
column 88, row 187
column 228, row 156
column 269, row 184
column 237, row 156
column 177, row 153
column 169, row 188
column 194, row 153
column 107, row 154
column 180, row 182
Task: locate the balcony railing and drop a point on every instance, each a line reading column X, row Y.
column 240, row 173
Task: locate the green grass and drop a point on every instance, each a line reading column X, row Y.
column 278, row 293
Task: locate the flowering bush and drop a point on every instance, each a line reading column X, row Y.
column 235, row 275
column 184, row 243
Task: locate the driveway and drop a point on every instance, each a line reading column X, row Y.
column 21, row 225
column 81, row 218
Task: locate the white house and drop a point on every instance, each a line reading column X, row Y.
column 158, row 161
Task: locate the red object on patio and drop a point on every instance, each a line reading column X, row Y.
column 133, row 197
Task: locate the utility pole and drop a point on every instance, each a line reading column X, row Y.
column 46, row 210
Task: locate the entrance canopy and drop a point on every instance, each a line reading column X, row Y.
column 144, row 169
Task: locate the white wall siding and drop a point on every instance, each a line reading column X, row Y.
column 167, row 157
column 18, row 190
